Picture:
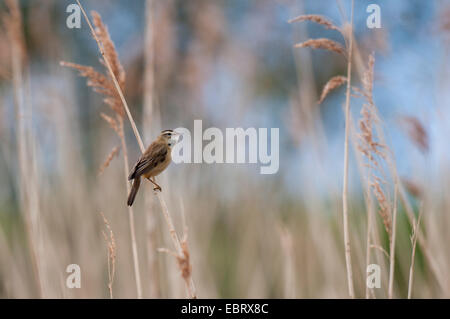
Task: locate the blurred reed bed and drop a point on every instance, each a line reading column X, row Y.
column 62, row 167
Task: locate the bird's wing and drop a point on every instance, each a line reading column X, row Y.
column 155, row 154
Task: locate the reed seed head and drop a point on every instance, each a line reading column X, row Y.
column 323, row 44
column 315, row 18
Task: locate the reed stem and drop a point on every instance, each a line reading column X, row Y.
column 348, row 259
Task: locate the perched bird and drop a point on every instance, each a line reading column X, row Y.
column 154, row 160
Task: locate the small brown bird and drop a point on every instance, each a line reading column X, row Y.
column 154, row 160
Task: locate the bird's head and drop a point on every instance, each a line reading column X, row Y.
column 170, row 137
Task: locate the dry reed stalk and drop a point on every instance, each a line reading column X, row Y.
column 131, row 218
column 323, row 44
column 369, row 228
column 112, row 248
column 151, row 126
column 114, row 152
column 287, row 246
column 330, row 45
column 29, row 199
column 348, row 259
column 317, row 19
column 413, row 253
column 166, row 213
column 392, row 247
column 331, row 85
column 111, row 87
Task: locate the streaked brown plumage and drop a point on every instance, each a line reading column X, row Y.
column 154, row 160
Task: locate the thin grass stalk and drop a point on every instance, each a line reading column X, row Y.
column 187, row 274
column 369, row 228
column 392, row 249
column 131, row 215
column 413, row 253
column 111, row 248
column 348, row 259
column 166, row 213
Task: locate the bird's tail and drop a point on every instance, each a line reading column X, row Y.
column 134, row 190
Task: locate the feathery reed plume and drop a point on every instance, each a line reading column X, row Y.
column 111, row 86
column 384, row 206
column 315, row 18
column 114, row 152
column 174, row 236
column 111, row 245
column 112, row 123
column 416, row 132
column 372, row 148
column 322, row 43
column 330, row 45
column 412, row 187
column 110, row 52
column 331, row 85
column 100, row 84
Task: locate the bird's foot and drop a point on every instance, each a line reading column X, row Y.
column 157, row 188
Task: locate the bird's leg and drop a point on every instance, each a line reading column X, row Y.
column 157, row 187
